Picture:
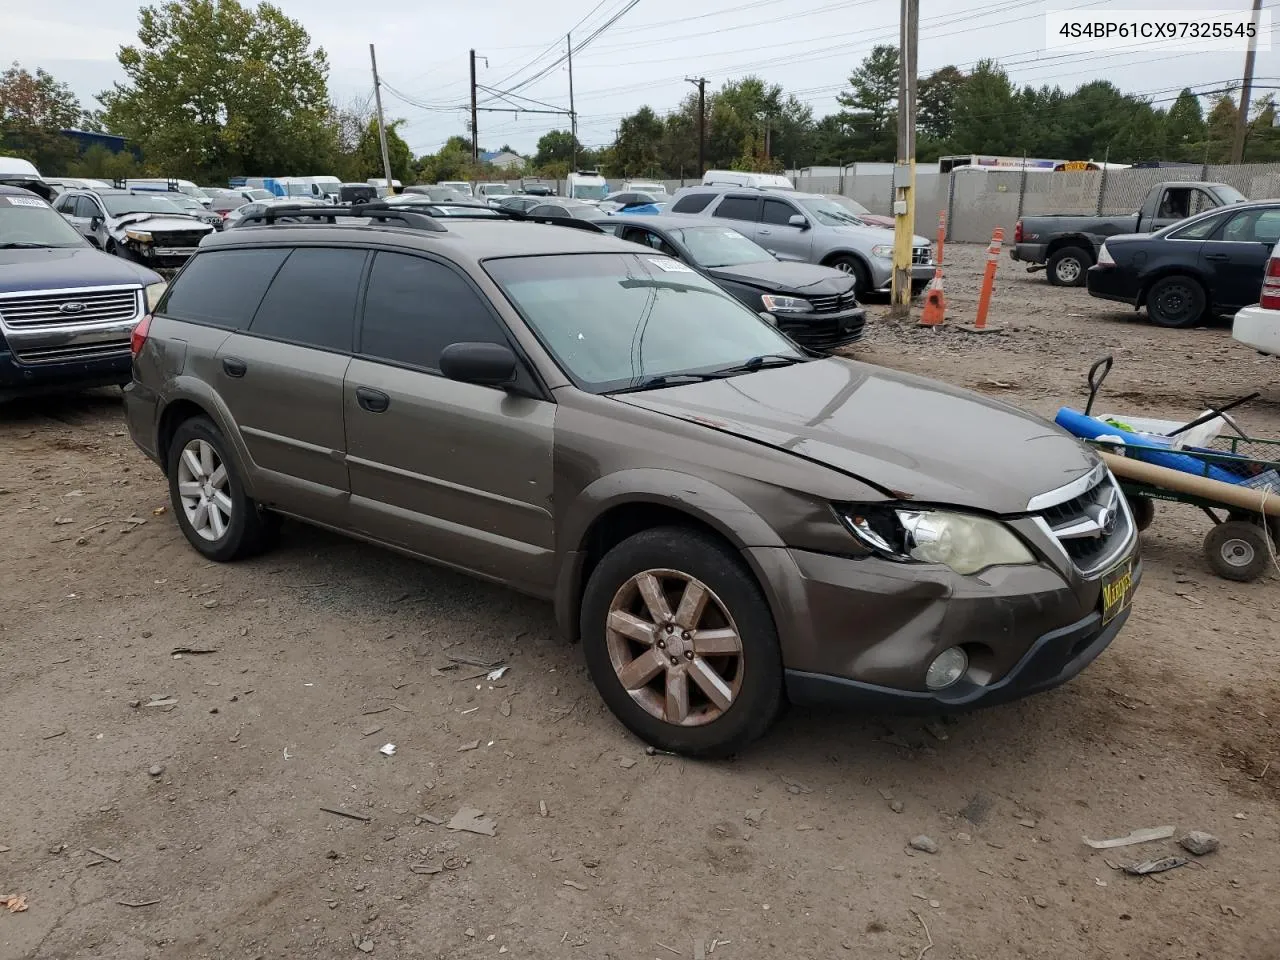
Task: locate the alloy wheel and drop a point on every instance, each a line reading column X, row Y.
column 674, row 647
column 1068, row 271
column 203, row 490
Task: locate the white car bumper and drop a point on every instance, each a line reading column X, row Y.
column 1258, row 328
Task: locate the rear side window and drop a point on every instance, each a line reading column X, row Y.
column 737, row 208
column 415, row 308
column 312, row 300
column 692, row 203
column 222, row 288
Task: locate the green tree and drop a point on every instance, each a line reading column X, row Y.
column 99, row 163
column 1185, row 129
column 936, row 102
column 33, row 108
column 215, row 88
column 556, row 146
column 987, row 114
column 1221, row 128
column 1262, row 142
column 638, row 148
column 368, row 154
column 870, row 105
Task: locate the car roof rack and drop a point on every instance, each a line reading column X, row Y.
column 331, row 214
column 490, row 213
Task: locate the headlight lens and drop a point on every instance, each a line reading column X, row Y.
column 153, row 294
column 883, row 250
column 140, row 235
column 786, row 304
column 964, row 542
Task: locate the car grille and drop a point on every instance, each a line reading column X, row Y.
column 179, row 238
column 921, row 255
column 84, row 351
column 835, row 303
column 55, row 309
column 825, row 334
column 1082, row 527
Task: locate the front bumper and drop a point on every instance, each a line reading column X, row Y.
column 862, row 632
column 1029, row 252
column 921, row 274
column 823, row 331
column 24, row 380
column 1111, row 283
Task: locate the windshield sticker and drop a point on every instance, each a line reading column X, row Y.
column 669, row 265
column 23, row 201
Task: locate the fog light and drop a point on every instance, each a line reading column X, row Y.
column 949, row 666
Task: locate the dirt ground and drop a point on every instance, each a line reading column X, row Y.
column 197, row 830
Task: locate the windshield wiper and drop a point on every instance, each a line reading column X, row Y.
column 23, row 245
column 670, row 380
column 760, row 363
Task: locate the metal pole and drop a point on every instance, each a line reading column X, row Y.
column 475, row 131
column 573, row 116
column 701, row 84
column 1022, row 185
column 1102, row 183
column 1246, row 90
column 382, row 125
column 904, row 203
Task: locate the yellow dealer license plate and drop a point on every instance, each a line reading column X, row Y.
column 1117, row 591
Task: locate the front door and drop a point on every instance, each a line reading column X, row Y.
column 453, row 471
column 777, row 235
column 1235, row 259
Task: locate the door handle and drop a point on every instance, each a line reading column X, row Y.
column 766, row 233
column 375, row 401
column 234, row 367
column 1219, row 257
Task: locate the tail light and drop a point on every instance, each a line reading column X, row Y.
column 1017, row 232
column 139, row 335
column 1271, row 285
column 1104, row 257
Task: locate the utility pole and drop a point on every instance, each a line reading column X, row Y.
column 904, row 174
column 475, row 133
column 767, row 131
column 1246, row 90
column 573, row 116
column 701, row 84
column 382, row 125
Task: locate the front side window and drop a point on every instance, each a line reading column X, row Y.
column 778, row 212
column 616, row 321
column 1200, row 230
column 222, row 288
column 312, row 300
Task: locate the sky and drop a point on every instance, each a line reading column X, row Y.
column 809, row 47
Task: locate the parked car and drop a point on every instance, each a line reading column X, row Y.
column 197, row 209
column 1186, row 273
column 720, row 519
column 67, row 310
column 739, row 178
column 461, row 186
column 537, row 188
column 631, row 198
column 561, row 207
column 447, row 208
column 16, row 172
column 167, row 185
column 586, row 185
column 1258, row 326
column 223, row 202
column 860, row 212
column 441, row 194
column 61, row 184
column 357, row 193
column 1065, row 245
column 815, row 306
column 140, row 225
column 810, row 228
column 521, row 203
column 492, row 193
column 234, row 218
column 645, row 186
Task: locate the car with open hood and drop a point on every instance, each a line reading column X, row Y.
column 721, row 519
column 140, row 225
column 815, row 306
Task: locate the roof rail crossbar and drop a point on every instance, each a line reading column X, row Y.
column 364, row 211
column 495, row 213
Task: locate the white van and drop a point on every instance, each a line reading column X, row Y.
column 381, row 184
column 642, row 186
column 162, row 183
column 23, row 173
column 462, row 186
column 737, row 178
column 586, row 185
column 491, row 193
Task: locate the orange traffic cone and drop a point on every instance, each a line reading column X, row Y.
column 935, row 302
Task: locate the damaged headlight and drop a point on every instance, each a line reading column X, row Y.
column 965, row 542
column 142, row 236
column 153, row 294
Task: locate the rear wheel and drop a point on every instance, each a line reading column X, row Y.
column 1066, row 267
column 1143, row 510
column 853, row 266
column 681, row 643
column 1238, row 550
column 1176, row 302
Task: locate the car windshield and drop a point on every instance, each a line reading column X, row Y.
column 720, row 247
column 853, row 206
column 118, row 205
column 30, row 222
column 830, row 213
column 1231, row 195
column 261, row 194
column 188, row 203
column 616, row 321
column 590, row 191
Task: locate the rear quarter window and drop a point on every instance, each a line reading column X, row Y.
column 692, row 203
column 312, row 300
column 222, row 288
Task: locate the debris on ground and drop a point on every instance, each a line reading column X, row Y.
column 192, row 651
column 496, row 674
column 168, row 702
column 474, row 661
column 370, row 731
column 387, row 749
column 542, row 808
column 470, row 745
column 575, row 884
column 137, row 903
column 104, row 854
column 346, row 813
column 1137, row 836
column 1199, row 843
column 14, row 902
column 754, row 816
column 795, row 786
column 897, row 806
column 155, row 771
column 471, row 820
column 626, row 763
column 1148, row 867
column 924, row 844
column 504, row 708
column 427, row 818
column 364, row 946
column 425, row 868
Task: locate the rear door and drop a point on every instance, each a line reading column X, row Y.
column 742, row 210
column 282, row 380
column 453, row 471
column 776, row 234
column 1235, row 258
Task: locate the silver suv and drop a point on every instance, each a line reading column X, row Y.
column 810, row 228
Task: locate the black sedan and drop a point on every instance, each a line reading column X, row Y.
column 1208, row 264
column 815, row 306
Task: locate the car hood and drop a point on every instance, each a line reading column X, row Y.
column 56, row 268
column 159, row 223
column 786, row 277
column 875, row 234
column 916, row 439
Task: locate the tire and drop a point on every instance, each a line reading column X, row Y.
column 240, row 529
column 1176, row 302
column 1143, row 510
column 1067, row 265
column 678, row 561
column 1238, row 550
column 855, row 268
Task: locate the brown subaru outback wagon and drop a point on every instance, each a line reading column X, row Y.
column 723, row 520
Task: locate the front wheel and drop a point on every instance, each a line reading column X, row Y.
column 853, row 266
column 681, row 644
column 1176, row 302
column 1238, row 550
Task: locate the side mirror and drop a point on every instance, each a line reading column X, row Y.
column 486, row 364
column 95, row 223
column 796, row 220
